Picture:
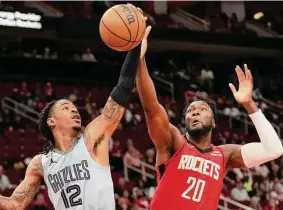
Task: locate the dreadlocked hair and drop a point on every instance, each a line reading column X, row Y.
column 44, row 128
column 213, row 107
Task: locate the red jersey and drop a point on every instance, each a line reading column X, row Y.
column 190, row 179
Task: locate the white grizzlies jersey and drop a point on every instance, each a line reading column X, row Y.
column 76, row 182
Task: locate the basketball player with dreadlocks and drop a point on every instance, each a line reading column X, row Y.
column 190, row 169
column 75, row 166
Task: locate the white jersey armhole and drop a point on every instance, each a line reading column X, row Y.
column 99, row 166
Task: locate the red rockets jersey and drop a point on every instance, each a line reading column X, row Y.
column 190, row 179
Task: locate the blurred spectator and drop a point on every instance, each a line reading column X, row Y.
column 88, row 56
column 46, row 54
column 207, row 78
column 48, row 91
column 116, row 154
column 150, row 156
column 39, row 203
column 271, row 205
column 4, row 181
column 73, row 95
column 255, row 203
column 124, row 201
column 120, row 186
column 239, row 193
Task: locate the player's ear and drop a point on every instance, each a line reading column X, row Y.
column 51, row 122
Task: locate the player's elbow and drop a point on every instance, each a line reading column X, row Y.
column 152, row 110
column 277, row 151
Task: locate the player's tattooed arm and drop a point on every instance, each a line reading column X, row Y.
column 103, row 126
column 25, row 192
column 112, row 113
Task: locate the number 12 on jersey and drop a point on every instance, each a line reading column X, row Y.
column 195, row 190
column 74, row 191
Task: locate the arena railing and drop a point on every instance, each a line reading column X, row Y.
column 141, row 170
column 247, row 122
column 189, row 20
column 20, row 109
column 170, row 85
column 227, row 202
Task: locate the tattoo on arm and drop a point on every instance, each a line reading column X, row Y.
column 25, row 193
column 113, row 111
column 36, row 168
column 107, row 122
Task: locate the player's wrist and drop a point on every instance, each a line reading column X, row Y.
column 250, row 107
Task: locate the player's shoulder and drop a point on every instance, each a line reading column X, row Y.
column 35, row 165
column 229, row 149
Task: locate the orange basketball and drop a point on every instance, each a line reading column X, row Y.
column 122, row 27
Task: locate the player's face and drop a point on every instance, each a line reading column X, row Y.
column 65, row 116
column 199, row 119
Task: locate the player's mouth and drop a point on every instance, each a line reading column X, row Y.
column 195, row 122
column 76, row 117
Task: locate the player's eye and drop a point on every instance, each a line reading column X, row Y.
column 204, row 109
column 65, row 108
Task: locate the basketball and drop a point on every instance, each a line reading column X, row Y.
column 122, row 27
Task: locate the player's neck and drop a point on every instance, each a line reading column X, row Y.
column 203, row 142
column 64, row 141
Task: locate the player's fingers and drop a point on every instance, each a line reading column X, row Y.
column 250, row 76
column 233, row 89
column 246, row 71
column 147, row 31
column 140, row 10
column 240, row 74
column 130, row 5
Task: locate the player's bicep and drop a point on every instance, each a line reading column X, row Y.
column 233, row 156
column 26, row 190
column 158, row 127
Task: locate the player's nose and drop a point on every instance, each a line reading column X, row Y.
column 195, row 113
column 74, row 111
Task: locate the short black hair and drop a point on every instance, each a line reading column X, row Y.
column 213, row 107
column 44, row 128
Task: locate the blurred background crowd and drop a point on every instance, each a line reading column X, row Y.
column 59, row 62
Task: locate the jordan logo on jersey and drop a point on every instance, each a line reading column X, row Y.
column 69, row 174
column 52, row 161
column 201, row 165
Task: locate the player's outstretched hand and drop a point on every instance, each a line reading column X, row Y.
column 144, row 42
column 147, row 31
column 245, row 92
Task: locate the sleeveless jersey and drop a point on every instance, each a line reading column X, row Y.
column 76, row 182
column 190, row 179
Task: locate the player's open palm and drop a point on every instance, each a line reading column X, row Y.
column 245, row 91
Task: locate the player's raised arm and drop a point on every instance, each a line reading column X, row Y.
column 25, row 192
column 270, row 146
column 98, row 132
column 160, row 130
